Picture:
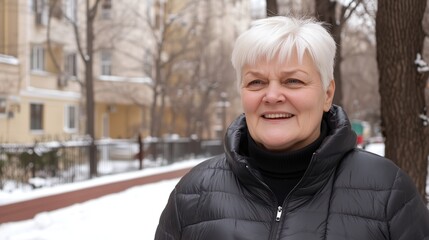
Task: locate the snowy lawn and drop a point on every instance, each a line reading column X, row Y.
column 131, row 214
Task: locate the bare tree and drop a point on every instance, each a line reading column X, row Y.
column 212, row 72
column 335, row 14
column 359, row 67
column 86, row 51
column 188, row 62
column 168, row 37
column 402, row 83
column 327, row 11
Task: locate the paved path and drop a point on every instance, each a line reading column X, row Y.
column 28, row 209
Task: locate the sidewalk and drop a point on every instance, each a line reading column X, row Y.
column 65, row 196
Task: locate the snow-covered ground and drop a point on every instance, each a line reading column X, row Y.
column 131, row 214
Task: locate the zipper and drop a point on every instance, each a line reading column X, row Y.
column 276, row 224
column 279, row 210
column 279, row 213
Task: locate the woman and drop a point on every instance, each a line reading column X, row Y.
column 291, row 169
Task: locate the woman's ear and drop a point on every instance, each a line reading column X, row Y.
column 330, row 91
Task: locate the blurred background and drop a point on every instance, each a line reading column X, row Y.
column 90, row 88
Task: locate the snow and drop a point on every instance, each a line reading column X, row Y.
column 16, row 196
column 126, row 79
column 377, row 148
column 9, row 59
column 422, row 66
column 131, row 214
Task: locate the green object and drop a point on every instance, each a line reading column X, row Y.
column 357, row 126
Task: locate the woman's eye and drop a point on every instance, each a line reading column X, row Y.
column 255, row 82
column 294, row 81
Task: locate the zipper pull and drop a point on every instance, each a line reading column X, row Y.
column 279, row 213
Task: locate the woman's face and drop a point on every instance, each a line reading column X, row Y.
column 284, row 102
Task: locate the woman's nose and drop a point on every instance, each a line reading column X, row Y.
column 274, row 94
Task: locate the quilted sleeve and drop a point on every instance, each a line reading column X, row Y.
column 169, row 225
column 408, row 215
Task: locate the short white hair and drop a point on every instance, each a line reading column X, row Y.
column 282, row 35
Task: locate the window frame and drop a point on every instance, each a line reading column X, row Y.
column 106, row 62
column 36, row 125
column 3, row 107
column 106, row 10
column 68, row 121
column 37, row 58
column 70, row 10
column 70, row 65
column 148, row 62
column 41, row 12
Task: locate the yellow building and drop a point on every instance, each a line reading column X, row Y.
column 43, row 50
column 199, row 79
column 42, row 71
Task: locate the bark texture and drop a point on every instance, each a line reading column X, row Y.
column 399, row 36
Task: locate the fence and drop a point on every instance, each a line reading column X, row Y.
column 53, row 163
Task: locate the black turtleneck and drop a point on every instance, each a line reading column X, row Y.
column 283, row 170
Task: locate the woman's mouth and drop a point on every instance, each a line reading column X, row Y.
column 277, row 115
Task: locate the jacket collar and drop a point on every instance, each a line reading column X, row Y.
column 340, row 140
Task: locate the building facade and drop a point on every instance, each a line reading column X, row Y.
column 43, row 52
column 42, row 73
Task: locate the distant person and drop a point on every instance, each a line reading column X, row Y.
column 140, row 154
column 291, row 169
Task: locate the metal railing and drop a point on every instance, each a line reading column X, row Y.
column 51, row 163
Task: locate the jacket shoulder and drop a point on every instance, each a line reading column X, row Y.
column 203, row 175
column 374, row 180
column 362, row 169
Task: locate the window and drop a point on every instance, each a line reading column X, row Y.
column 31, row 5
column 3, row 106
column 37, row 58
column 70, row 117
column 71, row 10
column 106, row 9
column 70, row 65
column 147, row 63
column 106, row 62
column 40, row 8
column 55, row 6
column 36, row 116
column 160, row 10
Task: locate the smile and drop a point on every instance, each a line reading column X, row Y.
column 277, row 115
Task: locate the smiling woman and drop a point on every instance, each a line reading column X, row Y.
column 291, row 168
column 280, row 115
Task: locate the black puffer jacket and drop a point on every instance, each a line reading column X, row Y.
column 346, row 193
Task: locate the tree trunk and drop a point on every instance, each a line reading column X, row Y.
column 272, row 8
column 154, row 118
column 89, row 88
column 399, row 37
column 326, row 12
